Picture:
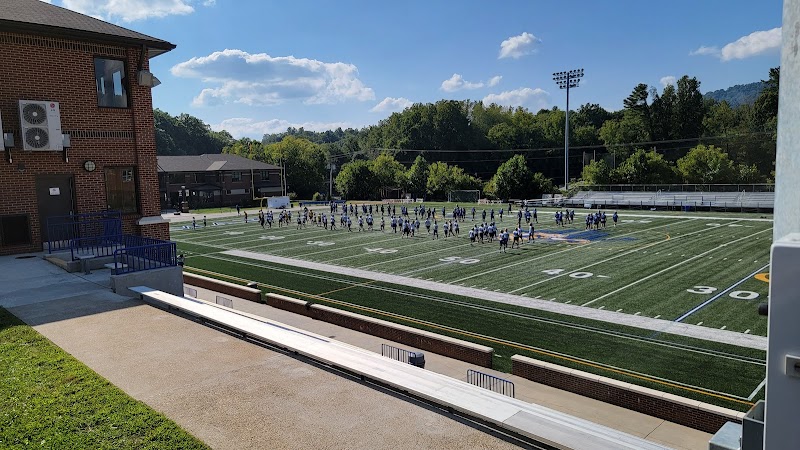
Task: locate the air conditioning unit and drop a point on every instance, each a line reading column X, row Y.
column 40, row 123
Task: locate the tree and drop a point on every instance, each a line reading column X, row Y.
column 356, row 180
column 689, row 109
column 187, row 135
column 596, row 172
column 443, row 178
column 305, row 164
column 417, row 176
column 645, row 168
column 388, row 172
column 706, row 165
column 749, row 174
column 513, row 178
column 766, row 105
column 636, row 104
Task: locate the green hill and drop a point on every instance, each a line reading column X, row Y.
column 740, row 94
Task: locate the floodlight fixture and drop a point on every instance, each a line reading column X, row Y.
column 567, row 80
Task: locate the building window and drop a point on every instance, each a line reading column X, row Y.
column 236, row 176
column 264, row 175
column 199, row 178
column 111, row 82
column 177, row 178
column 121, row 189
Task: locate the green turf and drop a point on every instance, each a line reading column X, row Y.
column 646, row 266
column 50, row 400
column 677, row 359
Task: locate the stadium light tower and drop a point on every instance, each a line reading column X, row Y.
column 567, row 80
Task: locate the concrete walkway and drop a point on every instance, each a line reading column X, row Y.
column 235, row 394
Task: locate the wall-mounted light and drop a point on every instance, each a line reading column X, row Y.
column 65, row 140
column 21, row 167
column 147, row 79
column 8, row 142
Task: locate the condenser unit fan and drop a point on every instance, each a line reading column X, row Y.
column 34, row 114
column 36, row 137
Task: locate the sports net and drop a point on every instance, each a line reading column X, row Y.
column 464, row 196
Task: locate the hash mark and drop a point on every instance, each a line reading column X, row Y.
column 700, row 323
column 568, row 302
column 637, row 313
column 602, row 307
column 656, row 317
column 723, row 327
column 619, row 310
column 747, row 331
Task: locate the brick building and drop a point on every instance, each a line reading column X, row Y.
column 93, row 76
column 215, row 180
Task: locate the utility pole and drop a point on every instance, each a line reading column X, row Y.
column 566, row 80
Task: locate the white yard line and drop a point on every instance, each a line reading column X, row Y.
column 715, row 297
column 655, row 216
column 757, row 389
column 619, row 255
column 674, row 266
column 553, row 253
column 661, row 326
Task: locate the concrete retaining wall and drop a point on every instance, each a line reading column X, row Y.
column 167, row 279
column 424, row 340
column 691, row 413
column 223, row 287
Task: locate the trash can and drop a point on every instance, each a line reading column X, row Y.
column 416, row 359
column 753, row 428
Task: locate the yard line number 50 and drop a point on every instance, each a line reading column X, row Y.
column 739, row 295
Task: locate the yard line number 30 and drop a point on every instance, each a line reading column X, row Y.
column 739, row 295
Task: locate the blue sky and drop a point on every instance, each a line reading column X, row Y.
column 256, row 66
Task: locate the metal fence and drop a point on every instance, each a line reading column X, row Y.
column 147, row 255
column 95, row 245
column 491, row 382
column 682, row 187
column 395, row 353
column 61, row 230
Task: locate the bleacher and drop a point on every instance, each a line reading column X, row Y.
column 734, row 200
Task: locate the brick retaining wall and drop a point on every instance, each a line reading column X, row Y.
column 421, row 339
column 223, row 287
column 691, row 413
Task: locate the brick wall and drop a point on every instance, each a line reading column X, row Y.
column 442, row 345
column 223, row 287
column 61, row 70
column 691, row 413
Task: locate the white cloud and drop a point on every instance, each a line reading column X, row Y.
column 705, row 51
column 753, row 44
column 518, row 46
column 457, row 82
column 392, row 104
column 241, row 126
column 667, row 80
column 260, row 79
column 534, row 99
column 494, row 81
column 130, row 10
column 209, row 2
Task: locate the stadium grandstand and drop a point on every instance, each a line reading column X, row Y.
column 759, row 198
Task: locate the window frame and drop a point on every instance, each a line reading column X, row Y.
column 236, row 176
column 124, row 82
column 124, row 208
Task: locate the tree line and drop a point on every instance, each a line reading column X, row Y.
column 465, row 143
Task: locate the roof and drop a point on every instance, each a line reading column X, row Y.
column 210, row 163
column 38, row 17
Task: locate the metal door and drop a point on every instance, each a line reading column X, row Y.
column 55, row 195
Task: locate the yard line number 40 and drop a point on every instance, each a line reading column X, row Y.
column 739, row 295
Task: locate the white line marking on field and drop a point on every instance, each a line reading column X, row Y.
column 757, row 389
column 609, row 259
column 524, row 294
column 671, row 267
column 538, row 296
column 568, row 302
column 552, row 299
column 603, row 276
column 619, row 310
column 602, row 307
column 714, row 298
column 637, row 313
column 747, row 331
column 700, row 323
column 550, row 254
column 723, row 327
column 656, row 317
column 740, row 260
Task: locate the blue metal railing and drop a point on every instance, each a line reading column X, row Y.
column 61, row 230
column 151, row 254
column 96, row 245
column 491, row 382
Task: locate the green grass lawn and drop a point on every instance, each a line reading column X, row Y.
column 696, row 270
column 50, row 400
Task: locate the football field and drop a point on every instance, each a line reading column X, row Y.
column 589, row 299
